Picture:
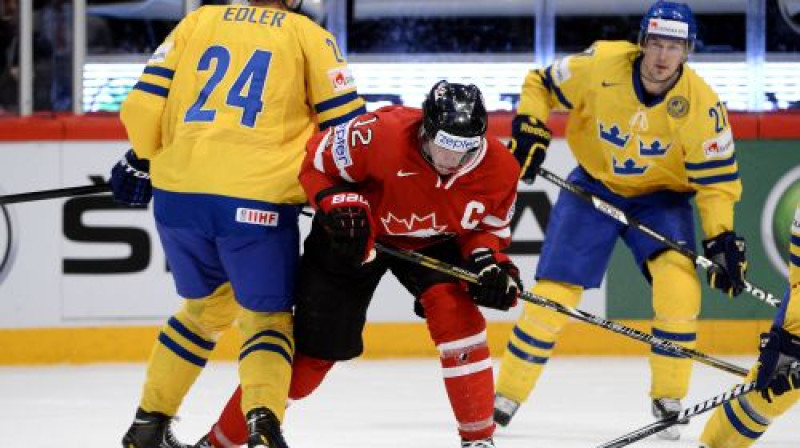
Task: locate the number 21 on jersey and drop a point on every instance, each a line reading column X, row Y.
column 253, row 76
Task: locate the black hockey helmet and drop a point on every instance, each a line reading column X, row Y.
column 454, row 123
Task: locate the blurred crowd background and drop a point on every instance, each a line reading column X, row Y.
column 118, row 32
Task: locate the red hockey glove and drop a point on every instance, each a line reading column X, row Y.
column 348, row 219
column 498, row 284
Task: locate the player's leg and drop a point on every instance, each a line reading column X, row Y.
column 187, row 339
column 230, row 429
column 676, row 297
column 575, row 255
column 261, row 263
column 740, row 423
column 332, row 298
column 458, row 329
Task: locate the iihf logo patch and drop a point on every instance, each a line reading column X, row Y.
column 258, row 217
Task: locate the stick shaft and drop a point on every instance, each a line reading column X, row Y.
column 54, row 194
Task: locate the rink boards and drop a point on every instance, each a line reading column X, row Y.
column 82, row 280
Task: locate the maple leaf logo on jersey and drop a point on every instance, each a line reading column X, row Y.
column 416, row 226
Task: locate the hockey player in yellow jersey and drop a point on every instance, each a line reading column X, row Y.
column 219, row 120
column 648, row 135
column 739, row 424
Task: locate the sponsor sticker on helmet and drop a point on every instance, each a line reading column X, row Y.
column 668, row 28
column 719, row 146
column 456, row 143
column 341, row 79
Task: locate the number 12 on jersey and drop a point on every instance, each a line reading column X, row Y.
column 253, row 74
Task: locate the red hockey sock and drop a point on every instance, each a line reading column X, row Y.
column 459, row 331
column 307, row 374
column 231, row 428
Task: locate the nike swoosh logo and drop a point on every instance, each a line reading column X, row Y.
column 609, row 84
column 402, row 173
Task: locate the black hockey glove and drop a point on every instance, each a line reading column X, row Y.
column 130, row 181
column 347, row 218
column 728, row 251
column 778, row 363
column 498, row 284
column 530, row 138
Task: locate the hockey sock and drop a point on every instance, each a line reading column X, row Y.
column 676, row 302
column 265, row 360
column 532, row 340
column 231, row 430
column 458, row 329
column 178, row 356
column 739, row 423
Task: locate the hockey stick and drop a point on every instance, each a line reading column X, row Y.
column 54, row 194
column 608, row 209
column 685, row 414
column 463, row 274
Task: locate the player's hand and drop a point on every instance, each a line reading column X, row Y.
column 130, row 181
column 778, row 363
column 530, row 138
column 348, row 220
column 498, row 284
column 728, row 251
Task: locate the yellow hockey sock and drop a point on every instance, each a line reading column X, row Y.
column 739, row 423
column 265, row 360
column 532, row 340
column 183, row 348
column 676, row 302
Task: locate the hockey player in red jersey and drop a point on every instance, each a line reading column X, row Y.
column 428, row 180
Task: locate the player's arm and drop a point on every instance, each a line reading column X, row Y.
column 779, row 361
column 499, row 281
column 336, row 161
column 561, row 85
column 331, row 86
column 142, row 110
column 712, row 171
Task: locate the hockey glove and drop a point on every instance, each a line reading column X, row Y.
column 778, row 363
column 728, row 251
column 347, row 218
column 498, row 284
column 530, row 138
column 130, row 181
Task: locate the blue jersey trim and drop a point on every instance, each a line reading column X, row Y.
column 714, row 179
column 159, row 71
column 552, row 86
column 152, row 88
column 342, row 118
column 335, row 102
column 712, row 164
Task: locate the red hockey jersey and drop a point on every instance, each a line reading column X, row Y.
column 412, row 205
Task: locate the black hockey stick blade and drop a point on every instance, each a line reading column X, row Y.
column 463, row 274
column 619, row 215
column 686, row 414
column 54, row 194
